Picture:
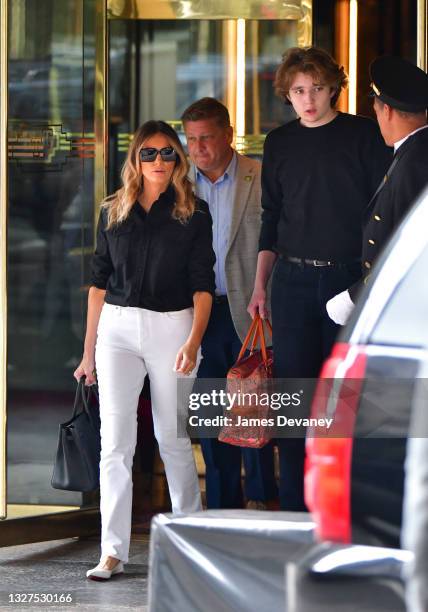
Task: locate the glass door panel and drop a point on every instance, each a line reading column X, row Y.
column 3, row 253
column 156, row 69
column 161, row 57
column 50, row 234
column 159, row 67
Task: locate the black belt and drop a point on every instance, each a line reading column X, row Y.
column 317, row 263
column 220, row 299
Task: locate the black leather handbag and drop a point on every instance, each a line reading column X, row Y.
column 76, row 466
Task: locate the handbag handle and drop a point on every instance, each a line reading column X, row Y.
column 84, row 392
column 256, row 331
column 251, row 331
column 259, row 333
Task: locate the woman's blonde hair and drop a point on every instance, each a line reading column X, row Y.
column 120, row 203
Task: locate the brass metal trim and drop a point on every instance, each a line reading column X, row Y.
column 255, row 76
column 353, row 54
column 304, row 25
column 240, row 77
column 422, row 35
column 341, row 45
column 100, row 110
column 3, row 247
column 46, row 527
column 15, row 511
column 207, row 9
column 229, row 46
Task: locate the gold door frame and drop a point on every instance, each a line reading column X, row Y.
column 101, row 106
column 300, row 10
column 422, row 35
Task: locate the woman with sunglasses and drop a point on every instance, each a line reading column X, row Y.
column 148, row 307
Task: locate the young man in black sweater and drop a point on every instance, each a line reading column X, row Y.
column 318, row 175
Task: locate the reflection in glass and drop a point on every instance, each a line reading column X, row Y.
column 157, row 68
column 266, row 43
column 50, row 230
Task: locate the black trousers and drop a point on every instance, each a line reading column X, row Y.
column 303, row 335
column 220, row 348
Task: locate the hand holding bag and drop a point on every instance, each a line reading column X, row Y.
column 77, row 459
column 250, row 375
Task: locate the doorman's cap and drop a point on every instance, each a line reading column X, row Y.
column 399, row 83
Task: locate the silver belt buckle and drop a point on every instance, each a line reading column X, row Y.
column 320, row 264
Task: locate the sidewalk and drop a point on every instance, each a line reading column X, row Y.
column 50, row 569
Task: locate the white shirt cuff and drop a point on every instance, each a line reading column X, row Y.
column 340, row 307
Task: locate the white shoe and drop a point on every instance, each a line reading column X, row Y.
column 101, row 573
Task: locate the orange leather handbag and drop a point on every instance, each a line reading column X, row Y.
column 250, row 419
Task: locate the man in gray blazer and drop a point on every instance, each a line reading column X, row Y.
column 230, row 183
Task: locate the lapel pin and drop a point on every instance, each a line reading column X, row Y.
column 248, row 177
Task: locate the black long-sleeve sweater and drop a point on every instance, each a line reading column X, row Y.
column 316, row 184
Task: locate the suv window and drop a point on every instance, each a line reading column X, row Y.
column 404, row 320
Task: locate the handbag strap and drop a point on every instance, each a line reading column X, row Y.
column 254, row 340
column 251, row 331
column 81, row 399
column 77, row 397
column 87, row 392
column 268, row 325
column 256, row 331
column 262, row 342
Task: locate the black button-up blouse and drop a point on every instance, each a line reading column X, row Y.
column 153, row 261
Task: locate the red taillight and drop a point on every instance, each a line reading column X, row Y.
column 328, row 458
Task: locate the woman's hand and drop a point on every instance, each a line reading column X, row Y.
column 87, row 365
column 86, row 368
column 258, row 304
column 185, row 361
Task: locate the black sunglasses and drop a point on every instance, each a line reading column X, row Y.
column 149, row 154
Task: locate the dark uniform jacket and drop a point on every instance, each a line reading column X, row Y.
column 403, row 183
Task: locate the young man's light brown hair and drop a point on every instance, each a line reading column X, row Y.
column 313, row 61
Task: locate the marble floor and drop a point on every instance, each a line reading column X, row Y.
column 50, row 569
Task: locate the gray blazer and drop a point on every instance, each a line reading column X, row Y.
column 242, row 250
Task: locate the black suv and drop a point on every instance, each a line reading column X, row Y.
column 354, row 483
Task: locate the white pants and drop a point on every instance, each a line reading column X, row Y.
column 131, row 343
